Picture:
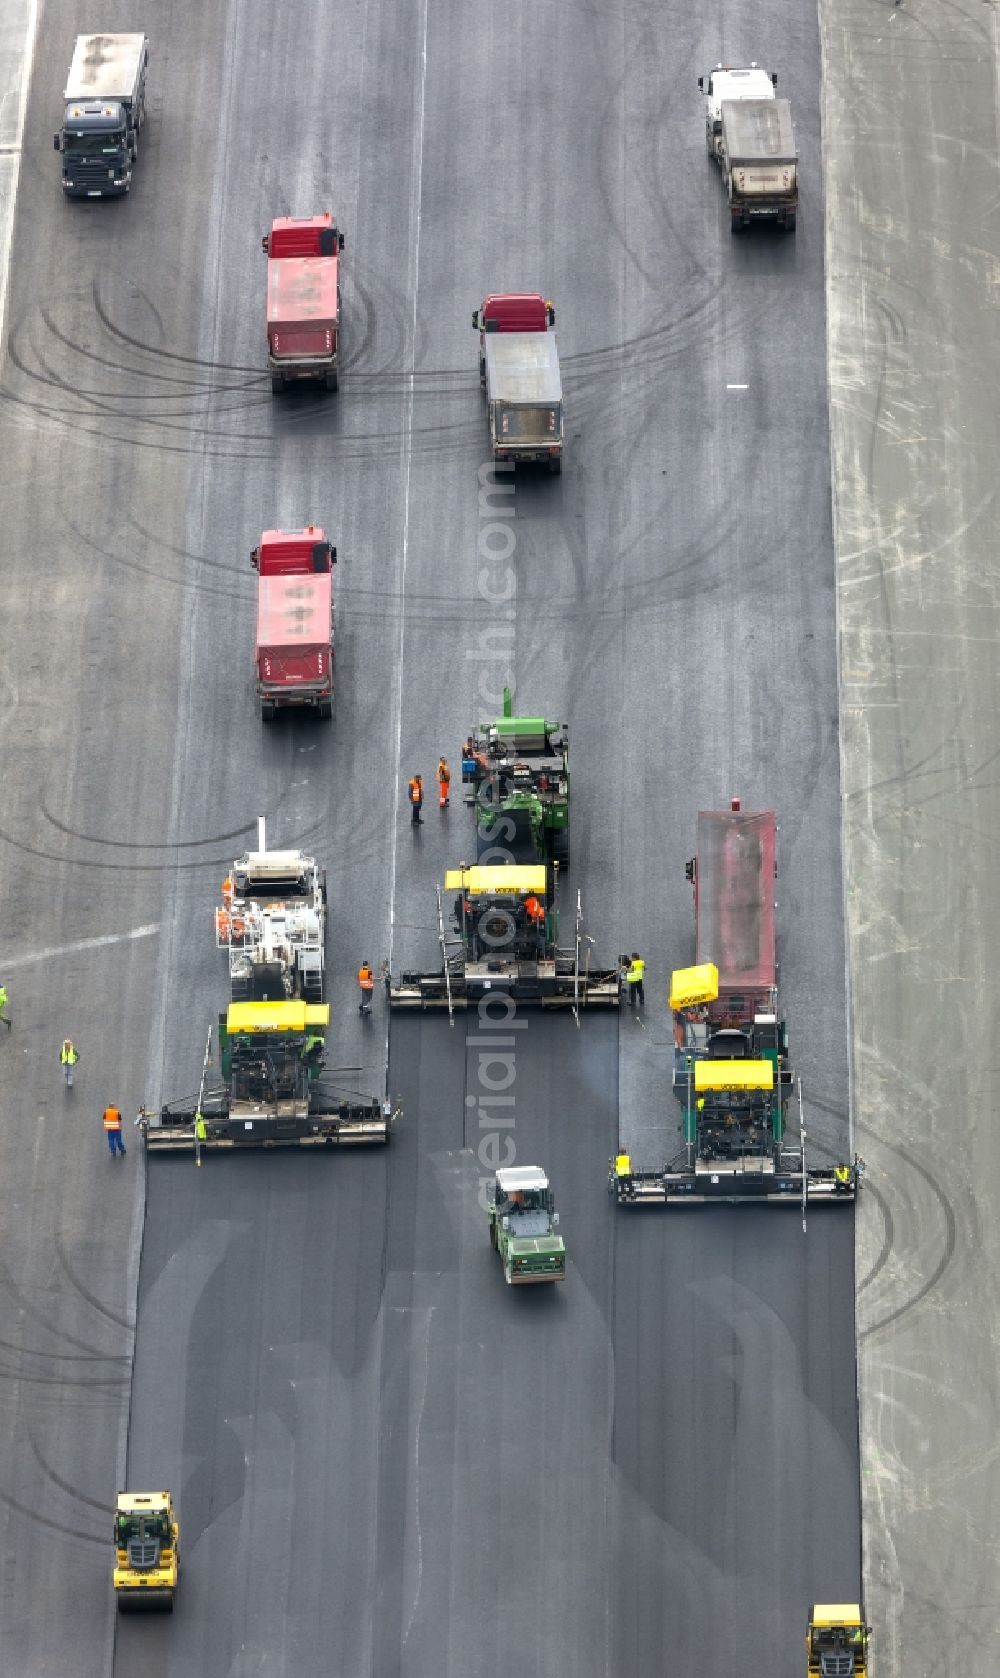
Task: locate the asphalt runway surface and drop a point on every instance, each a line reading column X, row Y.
column 911, row 120
column 378, row 1451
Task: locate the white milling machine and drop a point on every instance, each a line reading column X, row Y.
column 273, row 925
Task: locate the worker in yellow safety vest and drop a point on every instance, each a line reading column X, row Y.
column 623, row 1175
column 68, row 1058
column 635, row 975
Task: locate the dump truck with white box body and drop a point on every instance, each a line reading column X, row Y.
column 105, row 101
column 748, row 131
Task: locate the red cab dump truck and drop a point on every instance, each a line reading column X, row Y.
column 303, row 300
column 294, row 649
column 519, row 371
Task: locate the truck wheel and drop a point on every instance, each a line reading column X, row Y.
column 333, row 381
column 555, row 463
column 790, row 224
column 135, row 148
column 326, row 709
column 266, row 710
column 277, row 383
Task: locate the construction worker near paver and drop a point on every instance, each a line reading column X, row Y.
column 312, row 1050
column 623, row 1175
column 416, row 798
column 444, row 783
column 634, row 976
column 200, row 1135
column 3, row 1005
column 113, row 1131
column 366, row 984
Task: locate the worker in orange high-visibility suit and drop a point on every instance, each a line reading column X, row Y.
column 535, row 911
column 366, row 983
column 444, row 783
column 113, row 1131
column 416, row 798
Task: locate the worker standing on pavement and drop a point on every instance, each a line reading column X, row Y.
column 366, row 984
column 444, row 783
column 635, row 975
column 3, row 1005
column 68, row 1058
column 113, row 1131
column 416, row 798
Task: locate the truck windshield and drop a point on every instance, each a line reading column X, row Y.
column 543, row 423
column 93, row 145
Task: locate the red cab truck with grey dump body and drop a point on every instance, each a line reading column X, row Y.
column 294, row 647
column 303, row 300
column 519, row 371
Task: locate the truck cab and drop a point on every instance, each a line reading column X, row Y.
column 727, row 82
column 519, row 372
column 97, row 151
column 523, row 1224
column 297, row 553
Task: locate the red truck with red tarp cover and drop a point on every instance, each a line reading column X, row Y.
column 294, row 647
column 303, row 300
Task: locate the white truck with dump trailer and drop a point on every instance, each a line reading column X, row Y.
column 749, row 133
column 105, row 108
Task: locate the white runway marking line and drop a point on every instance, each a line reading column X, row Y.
column 737, row 387
column 417, row 210
column 83, row 944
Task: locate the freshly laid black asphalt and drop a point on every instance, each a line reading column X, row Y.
column 385, row 1461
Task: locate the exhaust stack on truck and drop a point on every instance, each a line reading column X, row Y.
column 105, row 108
